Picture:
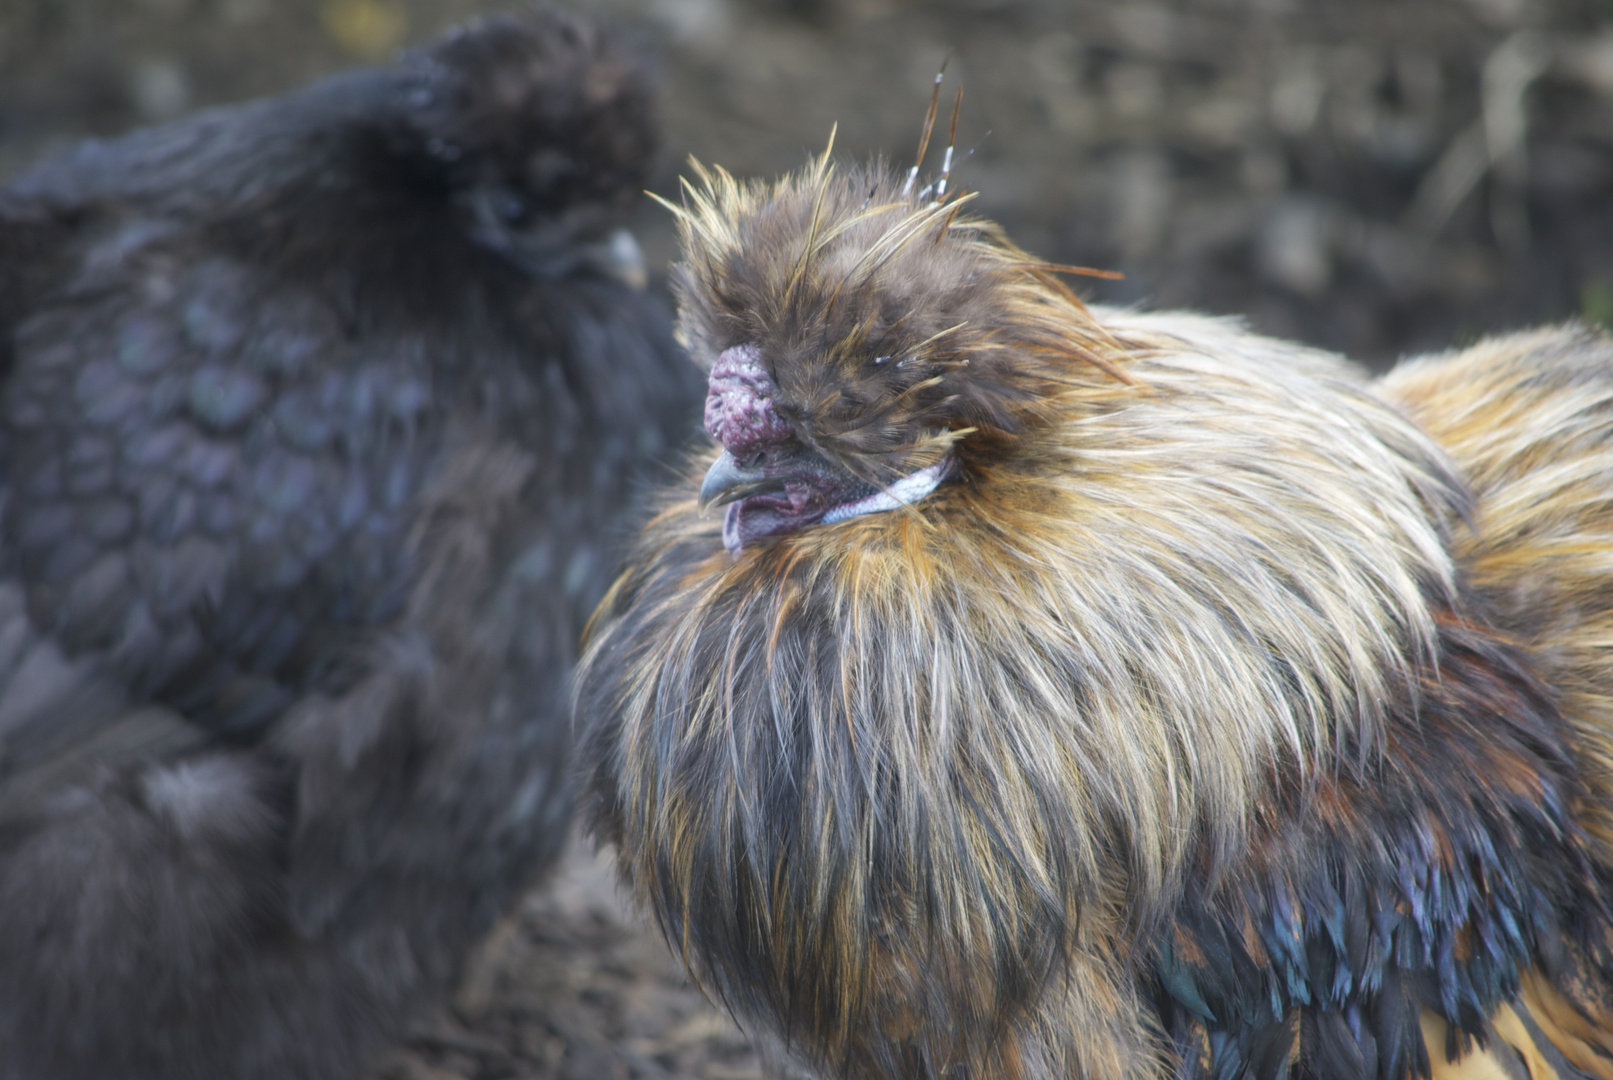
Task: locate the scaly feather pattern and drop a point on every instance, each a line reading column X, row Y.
column 319, row 416
column 1170, row 726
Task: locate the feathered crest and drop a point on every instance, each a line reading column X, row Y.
column 894, row 322
column 481, row 99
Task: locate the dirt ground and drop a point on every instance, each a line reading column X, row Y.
column 574, row 986
column 1375, row 176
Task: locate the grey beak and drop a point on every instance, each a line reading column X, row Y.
column 728, row 480
column 620, row 257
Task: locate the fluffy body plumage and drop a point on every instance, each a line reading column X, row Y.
column 318, row 414
column 1218, row 715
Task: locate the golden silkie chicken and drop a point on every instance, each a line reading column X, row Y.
column 1034, row 691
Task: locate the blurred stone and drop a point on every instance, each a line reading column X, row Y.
column 1399, row 142
column 1055, row 63
column 1400, row 261
column 1211, row 224
column 411, row 1069
column 1226, row 118
column 1596, row 302
column 801, row 9
column 1589, row 62
column 1443, row 188
column 591, row 1061
column 479, row 989
column 242, row 12
column 1263, row 171
column 1354, row 73
column 1296, row 91
column 1146, row 27
column 1509, row 71
column 1559, row 171
column 367, row 28
column 1294, row 246
column 724, row 1072
column 700, row 23
column 160, row 89
column 1136, row 91
column 1419, row 80
column 1140, row 186
column 1506, row 13
column 1468, row 273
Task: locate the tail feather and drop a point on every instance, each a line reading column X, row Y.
column 1542, row 1035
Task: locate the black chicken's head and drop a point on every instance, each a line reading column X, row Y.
column 864, row 343
column 542, row 124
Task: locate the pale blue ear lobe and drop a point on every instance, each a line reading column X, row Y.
column 909, row 489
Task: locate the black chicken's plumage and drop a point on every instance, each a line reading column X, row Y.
column 317, row 417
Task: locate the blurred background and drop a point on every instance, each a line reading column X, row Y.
column 1376, row 176
column 1379, row 177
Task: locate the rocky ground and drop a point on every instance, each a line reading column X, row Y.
column 1375, row 176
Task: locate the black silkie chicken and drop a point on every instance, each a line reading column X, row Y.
column 318, row 415
column 1065, row 692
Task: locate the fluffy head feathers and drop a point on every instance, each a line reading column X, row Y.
column 890, row 325
column 540, row 121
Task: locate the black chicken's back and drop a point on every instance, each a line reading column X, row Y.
column 319, row 417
